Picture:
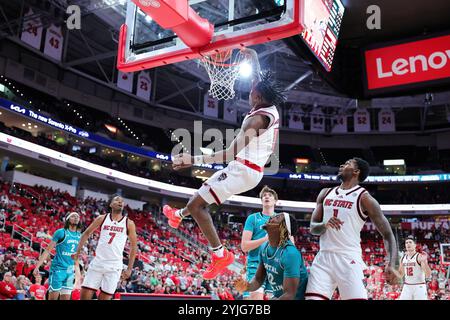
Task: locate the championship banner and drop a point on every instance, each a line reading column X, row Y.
column 54, row 42
column 31, row 30
column 229, row 111
column 295, row 119
column 361, row 120
column 339, row 124
column 317, row 122
column 386, row 120
column 144, row 85
column 412, row 64
column 125, row 80
column 210, row 106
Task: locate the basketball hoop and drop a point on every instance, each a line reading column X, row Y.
column 223, row 70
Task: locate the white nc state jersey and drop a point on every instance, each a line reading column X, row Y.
column 346, row 206
column 113, row 237
column 413, row 272
column 261, row 147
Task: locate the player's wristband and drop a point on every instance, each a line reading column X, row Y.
column 198, row 160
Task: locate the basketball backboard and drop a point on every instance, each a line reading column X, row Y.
column 144, row 44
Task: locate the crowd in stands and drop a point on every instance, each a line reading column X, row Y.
column 165, row 263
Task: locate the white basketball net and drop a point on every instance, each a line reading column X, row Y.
column 223, row 75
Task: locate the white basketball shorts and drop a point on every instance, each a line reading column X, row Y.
column 414, row 292
column 330, row 270
column 105, row 278
column 236, row 178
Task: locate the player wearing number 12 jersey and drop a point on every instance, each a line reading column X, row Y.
column 338, row 219
column 105, row 270
column 414, row 266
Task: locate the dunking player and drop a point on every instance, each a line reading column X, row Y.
column 254, row 236
column 280, row 262
column 105, row 270
column 338, row 219
column 414, row 266
column 249, row 153
column 63, row 269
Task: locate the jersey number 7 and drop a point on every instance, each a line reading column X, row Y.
column 112, row 234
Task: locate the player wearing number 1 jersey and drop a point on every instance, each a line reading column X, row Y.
column 105, row 270
column 338, row 219
column 414, row 266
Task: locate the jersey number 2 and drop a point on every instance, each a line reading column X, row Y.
column 112, row 234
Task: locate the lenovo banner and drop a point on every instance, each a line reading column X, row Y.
column 408, row 65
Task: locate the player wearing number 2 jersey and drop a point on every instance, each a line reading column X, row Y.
column 338, row 219
column 63, row 269
column 280, row 262
column 414, row 266
column 105, row 270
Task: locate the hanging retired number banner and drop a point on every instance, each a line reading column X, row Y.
column 386, row 120
column 54, row 42
column 31, row 30
column 361, row 119
column 144, row 85
column 230, row 111
column 295, row 119
column 339, row 124
column 125, row 80
column 210, row 106
column 317, row 121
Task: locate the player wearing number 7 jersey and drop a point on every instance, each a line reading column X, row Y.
column 338, row 219
column 105, row 270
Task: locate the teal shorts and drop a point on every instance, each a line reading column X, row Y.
column 61, row 279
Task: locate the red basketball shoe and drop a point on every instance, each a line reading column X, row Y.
column 174, row 220
column 218, row 264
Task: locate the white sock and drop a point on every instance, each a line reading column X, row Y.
column 179, row 214
column 218, row 251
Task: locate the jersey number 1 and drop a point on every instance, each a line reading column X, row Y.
column 335, row 213
column 112, row 234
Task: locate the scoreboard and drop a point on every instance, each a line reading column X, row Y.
column 322, row 21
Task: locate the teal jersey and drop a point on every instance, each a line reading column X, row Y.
column 283, row 262
column 66, row 245
column 254, row 224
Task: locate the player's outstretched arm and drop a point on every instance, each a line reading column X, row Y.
column 373, row 210
column 401, row 270
column 132, row 236
column 250, row 130
column 252, row 57
column 44, row 256
column 87, row 233
column 248, row 244
column 423, row 261
column 258, row 279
